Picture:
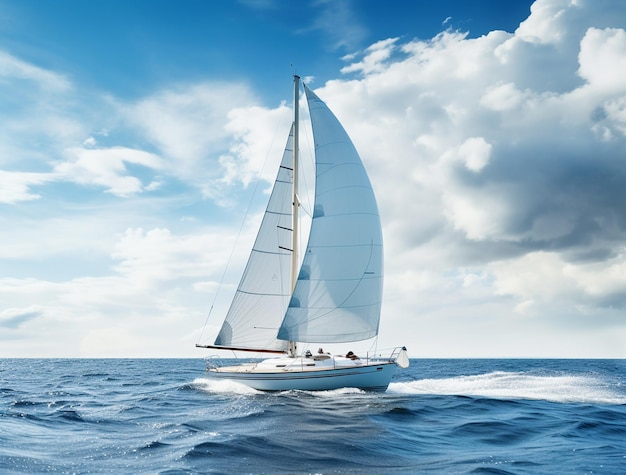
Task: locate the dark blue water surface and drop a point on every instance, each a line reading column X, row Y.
column 438, row 416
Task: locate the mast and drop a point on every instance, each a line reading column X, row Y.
column 296, row 202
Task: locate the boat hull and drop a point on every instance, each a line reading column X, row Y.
column 371, row 377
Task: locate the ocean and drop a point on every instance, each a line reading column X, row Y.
column 449, row 416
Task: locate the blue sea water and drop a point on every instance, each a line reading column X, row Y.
column 439, row 416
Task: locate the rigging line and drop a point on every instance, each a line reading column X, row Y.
column 243, row 222
column 374, row 346
column 205, row 324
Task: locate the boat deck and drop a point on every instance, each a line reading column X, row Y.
column 298, row 364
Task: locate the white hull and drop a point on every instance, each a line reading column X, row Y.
column 285, row 374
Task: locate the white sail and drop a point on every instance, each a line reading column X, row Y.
column 264, row 290
column 338, row 293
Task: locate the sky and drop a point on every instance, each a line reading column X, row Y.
column 135, row 136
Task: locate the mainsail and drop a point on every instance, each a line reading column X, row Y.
column 265, row 287
column 338, row 293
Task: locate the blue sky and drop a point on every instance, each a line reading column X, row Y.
column 126, row 48
column 135, row 133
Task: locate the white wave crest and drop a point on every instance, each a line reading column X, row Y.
column 223, row 386
column 337, row 392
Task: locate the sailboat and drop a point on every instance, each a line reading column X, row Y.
column 332, row 294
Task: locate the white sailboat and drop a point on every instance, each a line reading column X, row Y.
column 333, row 296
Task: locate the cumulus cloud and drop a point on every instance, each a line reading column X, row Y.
column 106, row 167
column 259, row 133
column 503, row 97
column 475, row 153
column 212, row 136
column 602, row 59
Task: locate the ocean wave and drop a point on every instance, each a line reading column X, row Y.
column 154, row 445
column 499, row 417
column 69, row 415
column 331, row 393
column 240, row 446
column 516, row 385
column 24, row 403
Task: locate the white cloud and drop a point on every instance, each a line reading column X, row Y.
column 106, row 167
column 503, row 97
column 260, row 133
column 374, row 59
column 615, row 111
column 210, row 135
column 548, row 22
column 543, row 278
column 475, row 153
column 476, row 214
column 602, row 59
column 156, row 255
column 535, row 276
column 601, row 279
column 37, row 111
column 15, row 69
column 90, row 142
column 15, row 186
column 150, row 304
column 186, row 123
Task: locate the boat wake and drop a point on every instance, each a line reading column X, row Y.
column 223, row 386
column 513, row 385
column 337, row 392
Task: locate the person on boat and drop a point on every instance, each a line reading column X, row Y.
column 308, row 354
column 352, row 356
column 321, row 356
